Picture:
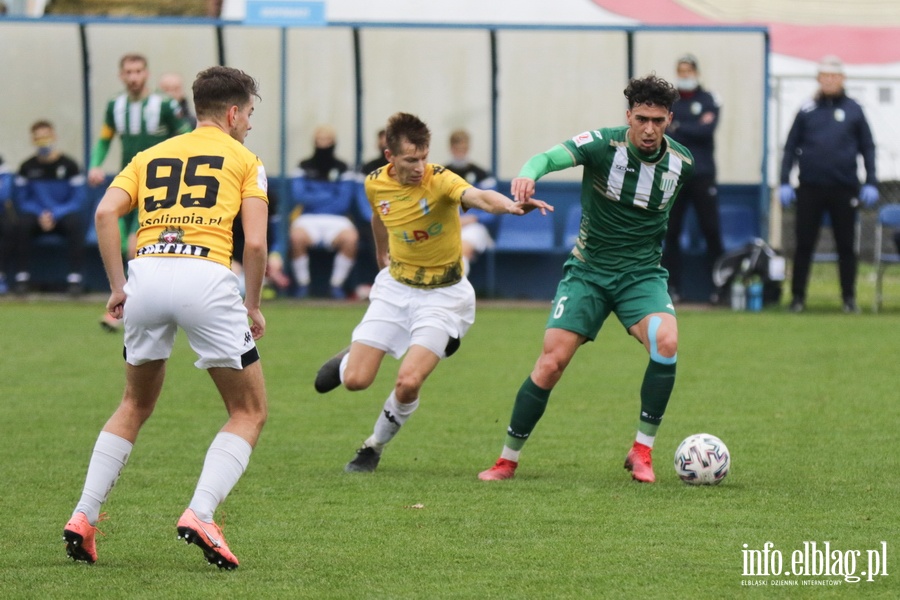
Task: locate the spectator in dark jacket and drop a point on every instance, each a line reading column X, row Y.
column 49, row 198
column 322, row 191
column 828, row 134
column 695, row 116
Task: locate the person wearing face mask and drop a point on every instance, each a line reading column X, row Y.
column 694, row 121
column 322, row 191
column 49, row 198
column 827, row 136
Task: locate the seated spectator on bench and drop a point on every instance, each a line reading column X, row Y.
column 322, row 192
column 49, row 198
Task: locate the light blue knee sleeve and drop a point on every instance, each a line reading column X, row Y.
column 655, row 356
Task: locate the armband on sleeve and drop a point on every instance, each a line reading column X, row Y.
column 556, row 158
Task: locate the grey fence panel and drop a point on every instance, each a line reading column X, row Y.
column 556, row 84
column 441, row 75
column 40, row 67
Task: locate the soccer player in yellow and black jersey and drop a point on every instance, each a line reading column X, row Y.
column 187, row 191
column 421, row 304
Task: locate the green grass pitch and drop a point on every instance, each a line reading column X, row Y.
column 807, row 404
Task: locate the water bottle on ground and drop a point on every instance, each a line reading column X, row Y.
column 738, row 294
column 755, row 295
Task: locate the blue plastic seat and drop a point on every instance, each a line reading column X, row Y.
column 529, row 233
column 739, row 226
column 888, row 218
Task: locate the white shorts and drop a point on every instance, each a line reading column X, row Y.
column 323, row 229
column 477, row 236
column 400, row 316
column 201, row 297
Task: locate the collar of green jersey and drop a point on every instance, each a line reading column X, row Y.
column 653, row 157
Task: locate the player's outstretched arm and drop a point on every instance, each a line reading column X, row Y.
column 556, row 158
column 498, row 204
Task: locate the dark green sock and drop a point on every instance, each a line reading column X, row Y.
column 531, row 401
column 659, row 379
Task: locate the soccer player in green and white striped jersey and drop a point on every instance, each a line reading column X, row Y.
column 632, row 176
column 141, row 119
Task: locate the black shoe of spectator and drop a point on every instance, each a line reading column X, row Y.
column 850, row 307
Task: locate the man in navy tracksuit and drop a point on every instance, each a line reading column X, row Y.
column 828, row 134
column 695, row 116
column 49, row 198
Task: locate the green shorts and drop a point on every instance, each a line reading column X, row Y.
column 586, row 296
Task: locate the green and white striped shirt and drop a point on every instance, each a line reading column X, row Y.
column 139, row 124
column 625, row 197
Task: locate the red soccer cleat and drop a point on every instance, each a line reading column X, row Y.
column 209, row 538
column 79, row 536
column 502, row 469
column 640, row 463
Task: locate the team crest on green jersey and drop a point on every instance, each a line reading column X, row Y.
column 668, row 181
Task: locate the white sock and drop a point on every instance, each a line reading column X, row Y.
column 226, row 459
column 301, row 269
column 510, row 454
column 643, row 438
column 109, row 457
column 341, row 269
column 392, row 417
column 466, row 266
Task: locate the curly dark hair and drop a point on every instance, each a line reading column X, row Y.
column 409, row 127
column 651, row 90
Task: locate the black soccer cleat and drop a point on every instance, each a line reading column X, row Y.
column 329, row 375
column 366, row 461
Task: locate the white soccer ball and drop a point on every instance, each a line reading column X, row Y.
column 702, row 459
